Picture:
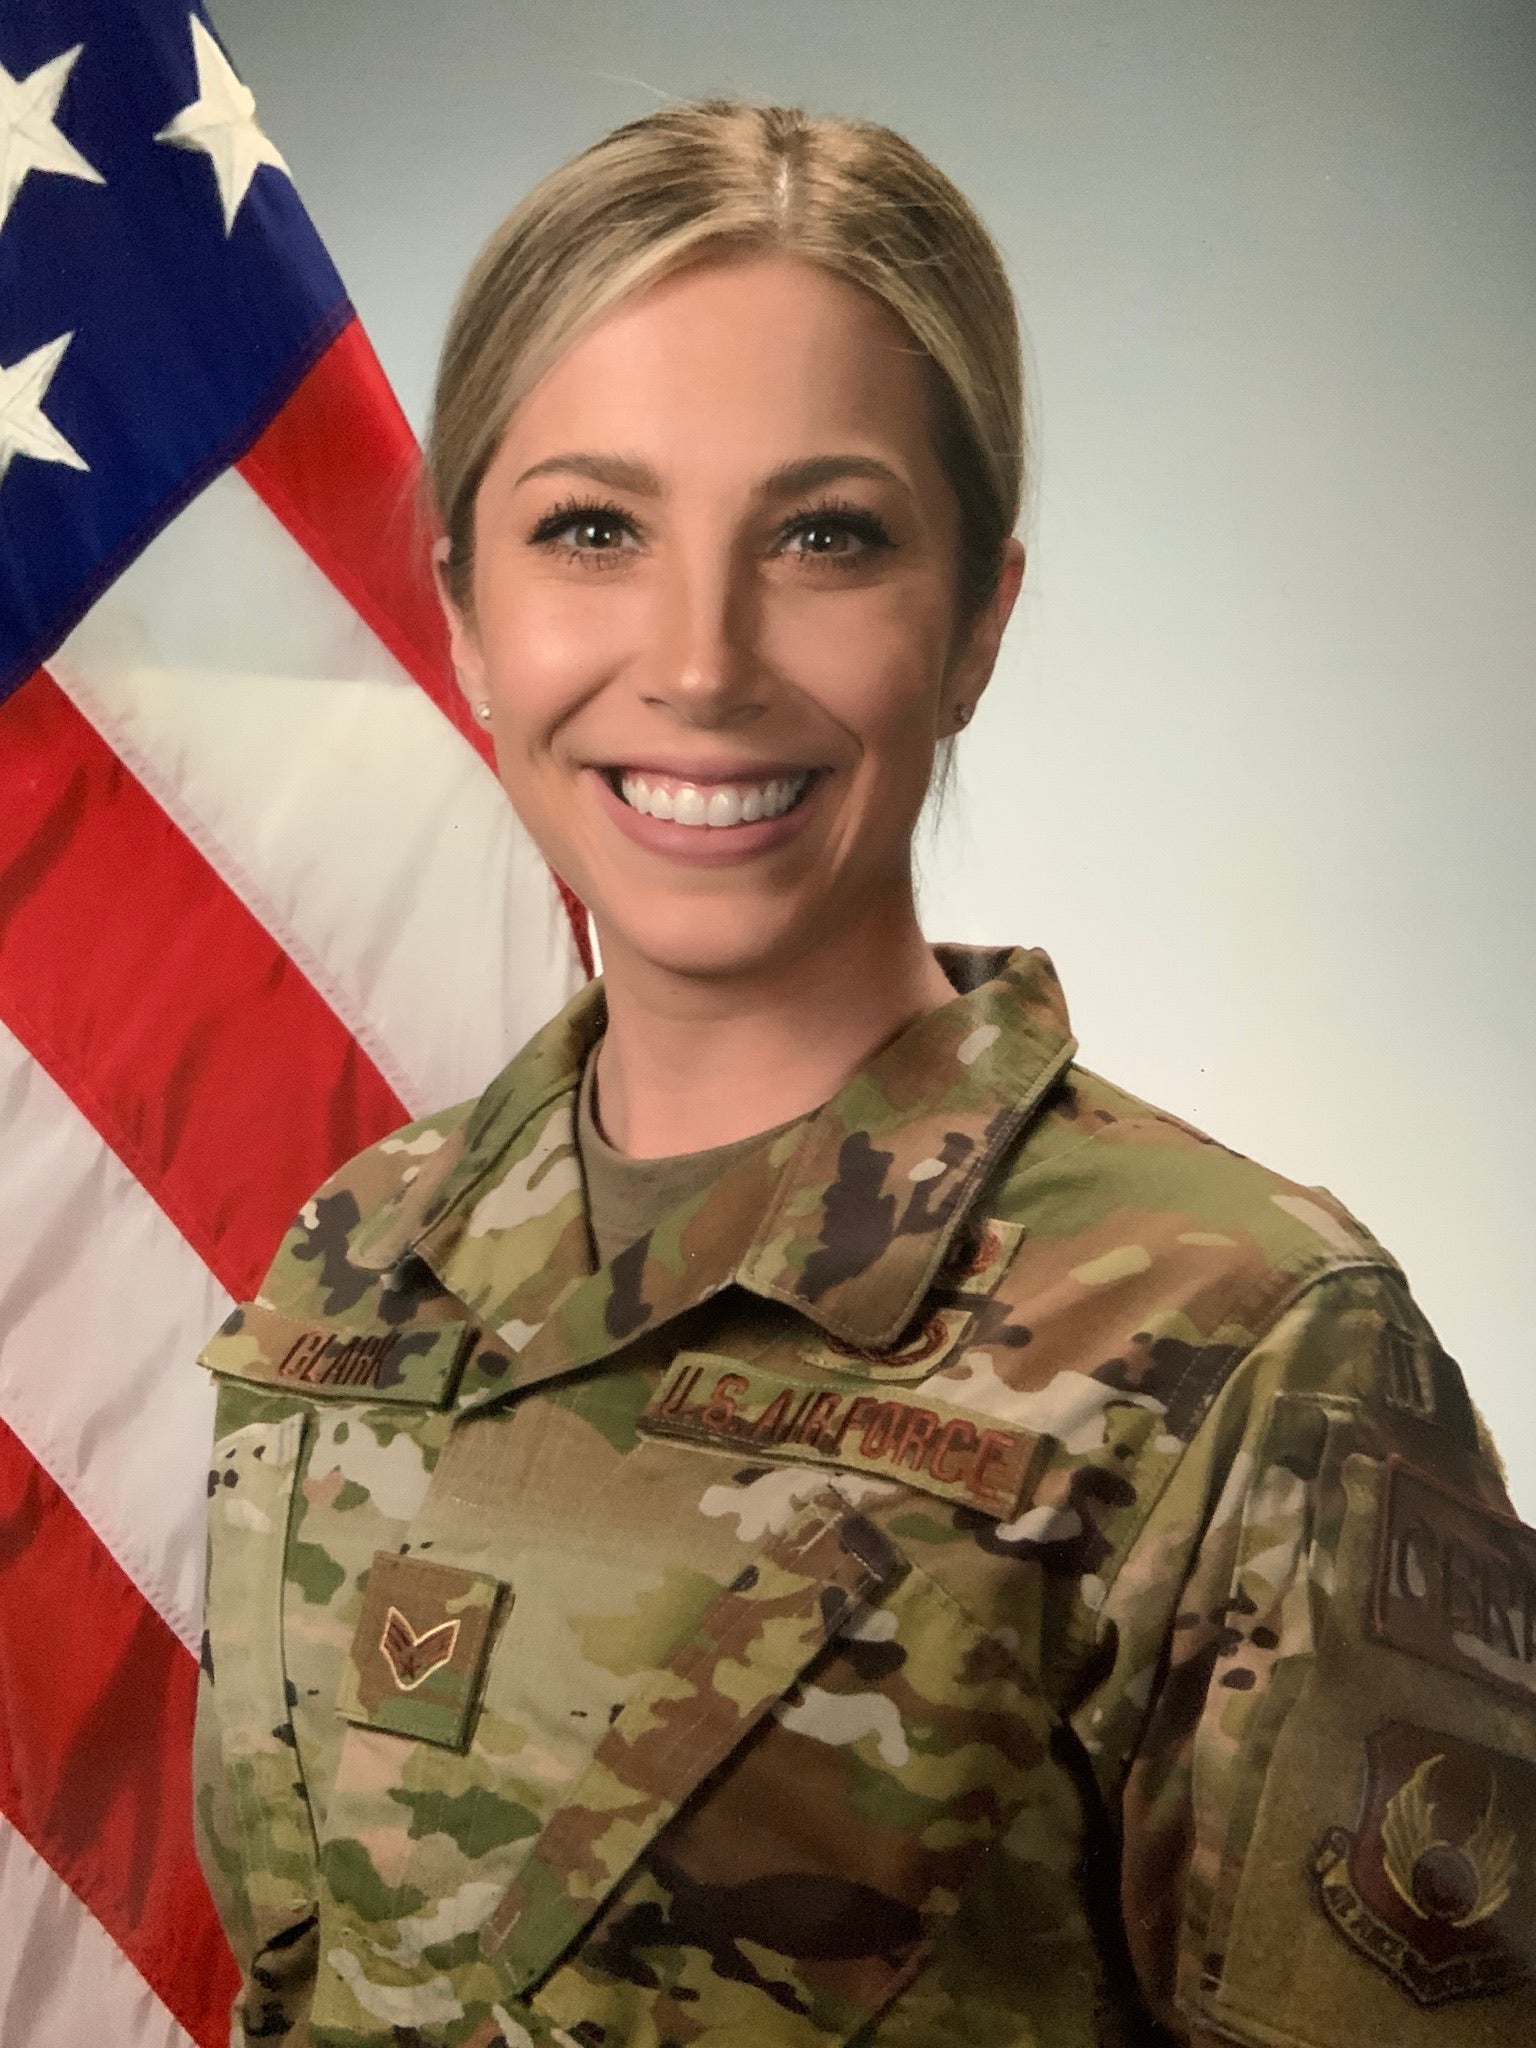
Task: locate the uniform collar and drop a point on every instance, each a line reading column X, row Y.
column 846, row 1218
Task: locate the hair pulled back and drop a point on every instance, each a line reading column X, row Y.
column 719, row 177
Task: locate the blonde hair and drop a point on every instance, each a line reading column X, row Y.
column 717, row 177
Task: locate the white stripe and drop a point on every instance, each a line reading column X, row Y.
column 329, row 791
column 103, row 1308
column 64, row 1982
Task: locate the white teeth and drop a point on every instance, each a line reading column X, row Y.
column 725, row 804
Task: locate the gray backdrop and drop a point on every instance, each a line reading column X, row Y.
column 1256, row 767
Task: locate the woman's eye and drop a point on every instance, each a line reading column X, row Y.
column 836, row 535
column 595, row 533
column 585, row 530
column 825, row 538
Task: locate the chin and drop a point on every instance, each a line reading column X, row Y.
column 711, row 940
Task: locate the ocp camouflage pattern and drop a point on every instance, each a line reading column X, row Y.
column 551, row 1697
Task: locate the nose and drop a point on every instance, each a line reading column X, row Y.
column 702, row 669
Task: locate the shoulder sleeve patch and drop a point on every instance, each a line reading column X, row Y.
column 417, row 1366
column 1436, row 1884
column 1455, row 1583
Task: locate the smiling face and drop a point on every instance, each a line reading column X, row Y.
column 714, row 616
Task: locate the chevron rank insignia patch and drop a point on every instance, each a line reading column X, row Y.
column 1436, row 1884
column 413, row 1658
column 419, row 1649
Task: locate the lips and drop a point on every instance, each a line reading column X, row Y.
column 714, row 805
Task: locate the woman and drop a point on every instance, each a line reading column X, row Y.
column 803, row 1515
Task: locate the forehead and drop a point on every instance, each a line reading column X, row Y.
column 749, row 359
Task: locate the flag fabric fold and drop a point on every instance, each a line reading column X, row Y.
column 261, row 899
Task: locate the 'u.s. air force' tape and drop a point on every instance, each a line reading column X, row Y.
column 730, row 1405
column 418, row 1364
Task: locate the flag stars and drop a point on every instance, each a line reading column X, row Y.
column 23, row 428
column 221, row 122
column 30, row 139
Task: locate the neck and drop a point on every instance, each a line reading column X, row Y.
column 690, row 1062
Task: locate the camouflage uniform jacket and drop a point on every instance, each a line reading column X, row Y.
column 996, row 1569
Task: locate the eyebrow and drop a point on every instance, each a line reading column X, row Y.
column 619, row 472
column 790, row 479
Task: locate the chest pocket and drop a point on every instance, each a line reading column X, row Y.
column 769, row 1832
column 689, row 1716
column 797, row 1884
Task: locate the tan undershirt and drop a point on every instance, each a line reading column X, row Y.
column 627, row 1197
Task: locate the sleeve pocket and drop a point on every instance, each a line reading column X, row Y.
column 1372, row 1828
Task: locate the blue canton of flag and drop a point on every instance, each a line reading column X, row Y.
column 162, row 291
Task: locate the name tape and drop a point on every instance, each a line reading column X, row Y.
column 1455, row 1583
column 923, row 1443
column 418, row 1365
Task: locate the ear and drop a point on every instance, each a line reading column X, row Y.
column 463, row 646
column 976, row 656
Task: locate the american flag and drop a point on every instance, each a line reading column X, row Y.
column 261, row 899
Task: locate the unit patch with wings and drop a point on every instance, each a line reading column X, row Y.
column 1437, row 1882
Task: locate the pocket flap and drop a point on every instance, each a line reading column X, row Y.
column 417, row 1365
column 743, row 1654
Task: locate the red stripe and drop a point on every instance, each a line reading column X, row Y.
column 96, row 1705
column 340, row 468
column 171, row 1018
column 209, row 1064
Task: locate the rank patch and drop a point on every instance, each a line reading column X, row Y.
column 1454, row 1583
column 1436, row 1884
column 706, row 1399
column 413, row 1658
column 416, row 1657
